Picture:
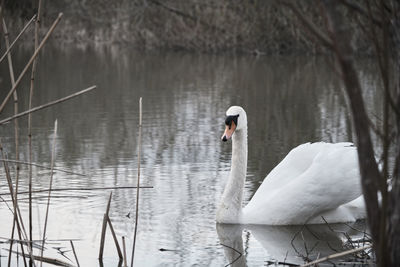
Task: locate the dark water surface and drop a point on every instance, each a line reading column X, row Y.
column 289, row 101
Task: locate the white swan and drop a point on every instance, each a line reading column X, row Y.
column 313, row 180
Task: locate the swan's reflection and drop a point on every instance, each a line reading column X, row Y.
column 230, row 237
column 290, row 244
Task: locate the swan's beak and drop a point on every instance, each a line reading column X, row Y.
column 229, row 130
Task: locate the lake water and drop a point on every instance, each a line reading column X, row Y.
column 289, row 101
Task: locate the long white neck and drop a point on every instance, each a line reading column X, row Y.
column 230, row 208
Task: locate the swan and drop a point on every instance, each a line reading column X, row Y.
column 314, row 180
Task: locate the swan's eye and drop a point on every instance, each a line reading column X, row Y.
column 228, row 123
column 230, row 119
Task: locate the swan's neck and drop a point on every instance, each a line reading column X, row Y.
column 231, row 203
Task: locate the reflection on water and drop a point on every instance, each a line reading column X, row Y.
column 286, row 244
column 288, row 101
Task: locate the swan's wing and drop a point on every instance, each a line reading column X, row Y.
column 348, row 212
column 296, row 162
column 316, row 177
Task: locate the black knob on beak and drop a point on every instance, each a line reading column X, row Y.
column 224, row 139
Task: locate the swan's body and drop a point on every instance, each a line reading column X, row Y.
column 313, row 180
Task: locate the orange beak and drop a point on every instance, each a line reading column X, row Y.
column 229, row 130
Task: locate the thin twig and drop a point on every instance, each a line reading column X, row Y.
column 138, row 182
column 294, row 247
column 16, row 39
column 358, row 230
column 322, row 37
column 73, row 250
column 42, row 166
column 337, row 255
column 45, row 197
column 104, row 228
column 53, row 155
column 78, row 189
column 361, row 10
column 47, row 105
column 237, row 251
column 48, row 240
column 8, row 206
column 30, row 62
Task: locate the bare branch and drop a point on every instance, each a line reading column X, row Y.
column 353, row 5
column 337, row 255
column 308, row 24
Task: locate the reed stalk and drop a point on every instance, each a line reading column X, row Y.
column 15, row 96
column 35, row 54
column 53, row 154
column 73, row 250
column 37, row 26
column 17, row 38
column 19, row 221
column 47, row 105
column 124, row 250
column 104, row 228
column 52, row 240
column 41, row 166
column 79, row 189
column 51, row 261
column 15, row 222
column 115, row 238
column 138, row 182
column 103, row 236
column 30, row 123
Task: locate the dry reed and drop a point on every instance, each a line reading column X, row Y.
column 16, row 132
column 124, row 250
column 47, row 105
column 115, row 238
column 79, row 189
column 53, row 154
column 37, row 25
column 18, row 217
column 104, row 228
column 15, row 221
column 138, row 182
column 13, row 192
column 42, row 166
column 48, row 260
column 73, row 250
column 8, row 49
column 35, row 54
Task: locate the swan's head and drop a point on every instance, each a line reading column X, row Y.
column 236, row 120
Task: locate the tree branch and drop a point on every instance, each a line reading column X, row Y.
column 308, row 24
